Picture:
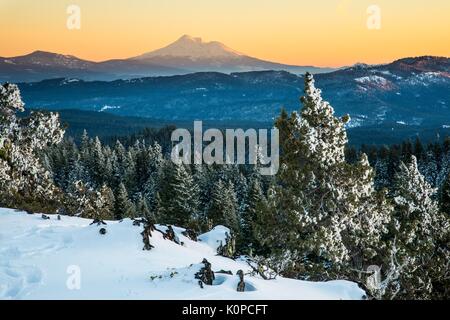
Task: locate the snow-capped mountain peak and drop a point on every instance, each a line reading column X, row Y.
column 186, row 55
column 194, row 47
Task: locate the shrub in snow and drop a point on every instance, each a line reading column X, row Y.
column 146, row 235
column 98, row 222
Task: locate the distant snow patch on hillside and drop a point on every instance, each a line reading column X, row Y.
column 426, row 78
column 372, row 80
column 106, row 107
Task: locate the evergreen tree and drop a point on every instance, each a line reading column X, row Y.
column 214, row 213
column 106, row 203
column 77, row 172
column 222, row 207
column 23, row 178
column 445, row 197
column 129, row 170
column 97, row 161
column 321, row 204
column 155, row 168
column 85, row 146
column 83, row 201
column 179, row 196
column 142, row 210
column 407, row 150
column 418, row 149
column 123, row 207
column 230, row 209
column 420, row 233
column 248, row 242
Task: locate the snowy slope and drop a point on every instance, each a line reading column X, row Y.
column 36, row 256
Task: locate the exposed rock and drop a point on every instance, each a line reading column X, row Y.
column 241, row 284
column 170, row 235
column 191, row 234
column 225, row 272
column 98, row 222
column 205, row 275
column 146, row 235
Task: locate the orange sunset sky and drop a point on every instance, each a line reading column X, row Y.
column 321, row 32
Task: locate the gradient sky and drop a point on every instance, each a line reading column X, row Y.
column 302, row 32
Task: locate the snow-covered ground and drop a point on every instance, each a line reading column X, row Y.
column 70, row 259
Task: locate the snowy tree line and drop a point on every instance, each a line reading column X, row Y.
column 433, row 160
column 330, row 213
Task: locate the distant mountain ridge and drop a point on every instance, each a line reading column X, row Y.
column 186, row 55
column 407, row 92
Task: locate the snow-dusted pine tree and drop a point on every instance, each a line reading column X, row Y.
column 97, row 162
column 123, row 207
column 222, row 208
column 445, row 196
column 247, row 242
column 154, row 169
column 230, row 211
column 24, row 180
column 105, row 207
column 178, row 195
column 324, row 215
column 81, row 200
column 418, row 262
column 142, row 210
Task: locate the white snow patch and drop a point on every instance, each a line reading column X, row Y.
column 67, row 81
column 35, row 255
column 372, row 80
column 426, row 78
column 215, row 238
column 106, row 107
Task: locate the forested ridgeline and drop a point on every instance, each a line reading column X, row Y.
column 433, row 160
